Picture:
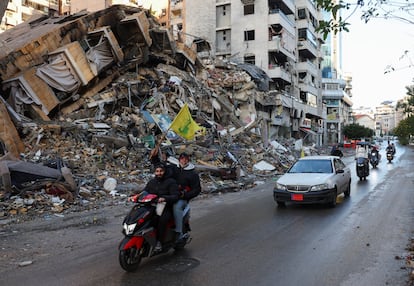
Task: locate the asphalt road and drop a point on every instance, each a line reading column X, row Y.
column 239, row 238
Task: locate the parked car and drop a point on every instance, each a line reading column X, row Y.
column 314, row 179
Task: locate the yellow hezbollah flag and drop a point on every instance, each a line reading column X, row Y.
column 184, row 125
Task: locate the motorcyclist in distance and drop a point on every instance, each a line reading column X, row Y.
column 374, row 150
column 390, row 148
column 393, row 148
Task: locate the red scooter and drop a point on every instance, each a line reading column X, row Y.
column 140, row 232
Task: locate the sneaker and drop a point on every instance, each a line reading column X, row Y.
column 178, row 236
column 158, row 247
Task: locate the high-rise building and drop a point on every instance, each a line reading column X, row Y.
column 336, row 88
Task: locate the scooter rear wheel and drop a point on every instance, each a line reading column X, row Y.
column 129, row 259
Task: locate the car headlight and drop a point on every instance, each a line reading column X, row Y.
column 320, row 187
column 281, row 187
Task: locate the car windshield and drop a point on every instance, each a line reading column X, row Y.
column 311, row 166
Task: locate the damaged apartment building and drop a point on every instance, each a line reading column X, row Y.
column 115, row 77
column 277, row 36
column 285, row 48
column 51, row 66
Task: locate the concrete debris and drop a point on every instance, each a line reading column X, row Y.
column 87, row 96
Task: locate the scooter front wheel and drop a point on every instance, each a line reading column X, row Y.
column 129, row 259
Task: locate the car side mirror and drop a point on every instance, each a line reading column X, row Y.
column 340, row 171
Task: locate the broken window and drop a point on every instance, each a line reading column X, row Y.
column 302, row 77
column 275, row 31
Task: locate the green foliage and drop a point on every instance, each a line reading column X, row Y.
column 386, row 9
column 336, row 24
column 326, row 27
column 356, row 131
column 408, row 106
column 405, row 129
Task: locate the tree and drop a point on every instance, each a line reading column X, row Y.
column 399, row 10
column 408, row 105
column 356, row 131
column 405, row 130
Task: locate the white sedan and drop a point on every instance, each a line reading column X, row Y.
column 314, row 179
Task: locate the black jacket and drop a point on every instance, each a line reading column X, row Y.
column 188, row 181
column 187, row 178
column 165, row 187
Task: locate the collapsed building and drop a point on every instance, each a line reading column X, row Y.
column 94, row 92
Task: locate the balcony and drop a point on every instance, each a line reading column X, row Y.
column 275, row 71
column 307, row 49
column 287, row 6
column 276, row 16
column 280, row 40
column 311, row 110
column 308, row 87
column 276, row 44
column 307, row 66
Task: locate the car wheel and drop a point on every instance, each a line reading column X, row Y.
column 347, row 192
column 281, row 204
column 332, row 204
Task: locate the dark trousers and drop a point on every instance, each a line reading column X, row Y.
column 163, row 222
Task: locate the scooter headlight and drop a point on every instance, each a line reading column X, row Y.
column 129, row 228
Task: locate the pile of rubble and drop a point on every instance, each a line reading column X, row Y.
column 92, row 147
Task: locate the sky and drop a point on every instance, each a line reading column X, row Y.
column 368, row 49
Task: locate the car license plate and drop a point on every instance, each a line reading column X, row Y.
column 297, row 197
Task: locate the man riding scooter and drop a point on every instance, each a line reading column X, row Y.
column 189, row 185
column 362, row 162
column 374, row 156
column 166, row 189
